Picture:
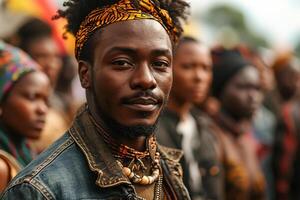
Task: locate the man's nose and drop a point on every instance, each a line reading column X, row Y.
column 143, row 78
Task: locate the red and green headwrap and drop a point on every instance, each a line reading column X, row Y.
column 14, row 64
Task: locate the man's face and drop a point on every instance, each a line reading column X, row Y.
column 132, row 72
column 192, row 73
column 288, row 82
column 242, row 95
column 46, row 53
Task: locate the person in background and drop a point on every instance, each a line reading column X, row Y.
column 124, row 51
column 24, row 93
column 264, row 121
column 287, row 135
column 236, row 84
column 188, row 129
column 35, row 38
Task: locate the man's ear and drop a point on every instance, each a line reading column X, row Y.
column 84, row 74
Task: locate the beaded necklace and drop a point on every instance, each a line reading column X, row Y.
column 122, row 152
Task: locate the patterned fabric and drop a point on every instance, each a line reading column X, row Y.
column 238, row 185
column 14, row 63
column 124, row 10
column 15, row 146
column 285, row 154
column 244, row 179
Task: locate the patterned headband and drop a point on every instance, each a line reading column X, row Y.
column 124, row 10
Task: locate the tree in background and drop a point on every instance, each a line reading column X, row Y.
column 232, row 27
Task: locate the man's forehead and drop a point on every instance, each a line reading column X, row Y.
column 148, row 32
column 135, row 35
column 131, row 50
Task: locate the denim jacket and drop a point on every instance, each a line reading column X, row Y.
column 80, row 166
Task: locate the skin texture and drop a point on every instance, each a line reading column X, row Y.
column 4, row 175
column 46, row 53
column 25, row 108
column 192, row 76
column 131, row 75
column 242, row 95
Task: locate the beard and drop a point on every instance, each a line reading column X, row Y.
column 131, row 132
column 117, row 129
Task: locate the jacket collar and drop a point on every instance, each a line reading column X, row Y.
column 97, row 153
column 99, row 156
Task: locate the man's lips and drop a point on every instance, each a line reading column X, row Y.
column 145, row 104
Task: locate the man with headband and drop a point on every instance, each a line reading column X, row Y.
column 124, row 54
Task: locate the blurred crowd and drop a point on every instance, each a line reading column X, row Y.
column 235, row 116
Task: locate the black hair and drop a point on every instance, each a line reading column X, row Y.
column 226, row 63
column 186, row 39
column 77, row 10
column 31, row 31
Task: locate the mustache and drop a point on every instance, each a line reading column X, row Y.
column 148, row 94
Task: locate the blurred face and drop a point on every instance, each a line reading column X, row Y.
column 242, row 95
column 288, row 82
column 46, row 53
column 266, row 74
column 132, row 72
column 192, row 73
column 25, row 108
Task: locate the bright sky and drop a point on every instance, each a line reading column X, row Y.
column 278, row 19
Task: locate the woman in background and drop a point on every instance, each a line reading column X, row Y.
column 24, row 95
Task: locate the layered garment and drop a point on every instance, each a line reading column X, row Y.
column 80, row 165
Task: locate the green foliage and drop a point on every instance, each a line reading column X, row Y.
column 230, row 17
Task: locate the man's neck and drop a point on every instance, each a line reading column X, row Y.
column 138, row 143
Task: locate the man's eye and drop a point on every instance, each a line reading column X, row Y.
column 122, row 63
column 161, row 64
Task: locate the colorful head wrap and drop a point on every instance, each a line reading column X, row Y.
column 124, row 10
column 14, row 64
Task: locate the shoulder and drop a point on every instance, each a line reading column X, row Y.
column 45, row 172
column 25, row 191
column 4, row 174
column 9, row 167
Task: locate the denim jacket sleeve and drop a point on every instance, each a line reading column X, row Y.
column 24, row 191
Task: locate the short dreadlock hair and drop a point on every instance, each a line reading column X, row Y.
column 77, row 10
